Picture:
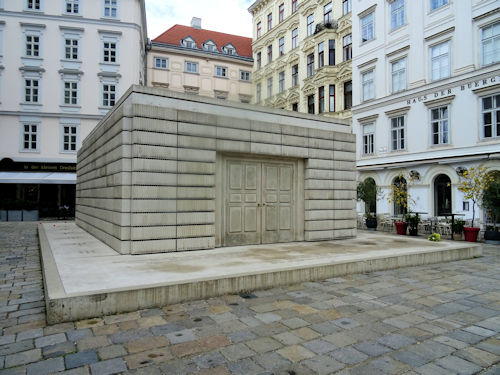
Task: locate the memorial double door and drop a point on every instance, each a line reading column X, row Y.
column 259, row 202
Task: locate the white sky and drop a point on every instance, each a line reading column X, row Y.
column 227, row 16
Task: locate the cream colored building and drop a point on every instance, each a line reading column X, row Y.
column 193, row 60
column 302, row 52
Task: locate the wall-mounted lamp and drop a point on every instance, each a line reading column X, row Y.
column 460, row 170
column 415, row 175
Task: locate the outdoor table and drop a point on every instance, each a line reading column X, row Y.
column 452, row 220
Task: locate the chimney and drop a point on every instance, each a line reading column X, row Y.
column 196, row 23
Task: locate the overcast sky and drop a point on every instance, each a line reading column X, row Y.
column 227, row 16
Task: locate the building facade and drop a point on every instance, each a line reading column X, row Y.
column 426, row 97
column 63, row 65
column 193, row 60
column 302, row 55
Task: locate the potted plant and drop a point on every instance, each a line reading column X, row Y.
column 399, row 195
column 367, row 191
column 491, row 203
column 457, row 229
column 473, row 183
column 412, row 219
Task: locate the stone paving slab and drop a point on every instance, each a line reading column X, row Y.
column 227, row 337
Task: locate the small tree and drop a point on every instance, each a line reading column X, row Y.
column 491, row 199
column 399, row 194
column 367, row 191
column 473, row 183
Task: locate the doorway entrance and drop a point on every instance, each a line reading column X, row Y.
column 442, row 195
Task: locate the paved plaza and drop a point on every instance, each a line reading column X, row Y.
column 436, row 319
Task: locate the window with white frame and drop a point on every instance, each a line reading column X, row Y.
column 269, row 53
column 258, row 92
column 281, row 13
column 328, row 13
column 244, row 75
column 440, row 61
column 191, row 67
column 269, row 87
column 221, row 71
column 490, row 115
column 281, row 80
column 108, row 94
column 331, row 98
column 347, row 47
column 33, row 4
column 229, row 50
column 111, row 8
column 210, row 46
column 69, row 137
column 70, row 92
column 321, row 54
column 295, row 38
column 368, row 138
column 397, row 14
column 71, row 48
column 367, row 27
column 347, row 6
column 490, row 44
column 32, row 45
column 259, row 29
column 31, row 90
column 29, row 135
column 269, row 21
column 398, row 136
column 321, row 99
column 109, row 51
column 367, row 85
column 310, row 24
column 72, row 6
column 310, row 65
column 160, row 63
column 435, row 4
column 188, row 42
column 440, row 125
column 398, row 75
column 295, row 75
column 281, row 48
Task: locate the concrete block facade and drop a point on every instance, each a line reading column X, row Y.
column 154, row 174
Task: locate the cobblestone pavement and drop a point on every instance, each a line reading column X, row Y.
column 437, row 319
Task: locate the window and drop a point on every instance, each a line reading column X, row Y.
column 210, row 46
column 438, row 3
column 295, row 107
column 269, row 53
column 191, row 67
column 269, row 21
column 310, row 24
column 160, row 63
column 398, row 75
column 439, row 125
column 30, row 137
column 331, row 101
column 321, row 54
column 70, row 93
column 244, row 75
column 327, row 13
column 73, row 6
column 259, row 60
column 347, row 47
column 397, row 14
column 258, row 93
column 281, row 12
column 368, row 138
column 282, row 46
column 295, row 75
column 367, row 28
column 310, row 65
column 440, row 61
column 111, row 8
column 310, row 104
column 321, row 101
column 188, row 43
column 33, row 4
column 398, row 133
column 32, row 45
column 71, row 49
column 229, row 50
column 490, row 44
column 109, row 52
column 347, row 6
column 367, row 86
column 490, row 111
column 259, row 29
column 31, row 90
column 108, row 95
column 281, row 81
column 295, row 38
column 348, row 95
column 221, row 71
column 69, row 137
column 331, row 52
column 294, row 6
column 270, row 87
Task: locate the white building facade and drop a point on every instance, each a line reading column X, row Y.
column 63, row 65
column 426, row 96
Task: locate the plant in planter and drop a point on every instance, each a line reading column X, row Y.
column 473, row 183
column 457, row 229
column 399, row 195
column 413, row 220
column 491, row 203
column 367, row 191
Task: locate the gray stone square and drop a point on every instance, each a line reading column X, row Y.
column 458, row 365
column 80, row 359
column 372, row 348
column 323, row 365
column 319, row 346
column 48, row 366
column 348, row 355
column 108, row 367
column 181, row 336
column 237, row 352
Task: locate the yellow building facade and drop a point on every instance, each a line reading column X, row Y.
column 302, row 53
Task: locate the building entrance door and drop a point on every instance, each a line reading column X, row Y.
column 259, row 202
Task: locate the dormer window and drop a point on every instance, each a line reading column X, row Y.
column 188, row 42
column 229, row 50
column 210, row 46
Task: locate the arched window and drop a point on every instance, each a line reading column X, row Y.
column 400, row 208
column 442, row 195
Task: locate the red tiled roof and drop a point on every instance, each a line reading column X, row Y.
column 176, row 33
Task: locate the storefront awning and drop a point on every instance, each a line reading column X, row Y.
column 37, row 178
